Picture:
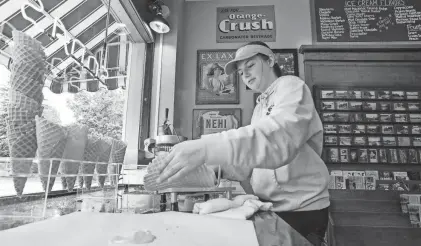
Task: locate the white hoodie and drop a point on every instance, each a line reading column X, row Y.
column 281, row 149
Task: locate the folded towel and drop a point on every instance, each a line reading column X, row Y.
column 241, row 207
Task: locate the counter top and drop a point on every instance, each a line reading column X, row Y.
column 272, row 230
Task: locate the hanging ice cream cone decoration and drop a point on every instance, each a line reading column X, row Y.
column 92, row 152
column 118, row 151
column 25, row 94
column 51, row 140
column 103, row 160
column 77, row 137
column 24, row 147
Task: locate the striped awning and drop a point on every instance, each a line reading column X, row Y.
column 86, row 21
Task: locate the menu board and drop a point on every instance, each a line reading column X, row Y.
column 367, row 20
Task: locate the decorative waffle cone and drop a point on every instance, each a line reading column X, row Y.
column 21, row 115
column 92, row 152
column 33, row 90
column 104, row 157
column 80, row 176
column 14, row 132
column 118, row 151
column 51, row 140
column 23, row 39
column 201, row 177
column 74, row 150
column 28, row 67
column 29, row 60
column 24, row 147
column 18, row 99
column 28, row 80
column 63, row 182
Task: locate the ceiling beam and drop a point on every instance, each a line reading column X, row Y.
column 8, row 9
column 92, row 43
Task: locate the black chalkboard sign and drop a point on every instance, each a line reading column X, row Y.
column 367, row 20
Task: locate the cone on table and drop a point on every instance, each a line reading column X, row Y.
column 24, row 147
column 201, row 177
column 92, row 152
column 51, row 139
column 104, row 158
column 118, row 151
column 77, row 136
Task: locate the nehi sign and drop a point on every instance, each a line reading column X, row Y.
column 245, row 24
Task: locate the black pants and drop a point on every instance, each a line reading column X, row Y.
column 311, row 224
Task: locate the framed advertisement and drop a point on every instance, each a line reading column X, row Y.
column 213, row 86
column 287, row 59
column 208, row 121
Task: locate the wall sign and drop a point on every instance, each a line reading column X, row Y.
column 367, row 20
column 213, row 86
column 245, row 24
column 209, row 121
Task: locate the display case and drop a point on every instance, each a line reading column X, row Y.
column 93, row 187
column 372, row 136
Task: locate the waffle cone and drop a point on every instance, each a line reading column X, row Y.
column 28, row 67
column 32, row 78
column 14, row 132
column 201, row 177
column 24, row 147
column 18, row 99
column 80, row 177
column 32, row 90
column 21, row 115
column 74, row 150
column 23, row 39
column 51, row 139
column 92, row 152
column 63, row 182
column 27, row 61
column 26, row 51
column 104, row 158
column 118, row 151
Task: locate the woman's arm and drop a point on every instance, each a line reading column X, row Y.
column 273, row 141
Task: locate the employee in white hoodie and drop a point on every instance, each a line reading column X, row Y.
column 279, row 153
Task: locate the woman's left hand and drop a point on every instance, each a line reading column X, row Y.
column 183, row 158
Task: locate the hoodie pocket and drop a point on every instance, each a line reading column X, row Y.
column 264, row 184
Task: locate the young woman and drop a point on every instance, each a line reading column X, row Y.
column 279, row 153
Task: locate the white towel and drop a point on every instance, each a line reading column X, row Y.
column 241, row 207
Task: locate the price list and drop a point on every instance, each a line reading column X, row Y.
column 368, row 20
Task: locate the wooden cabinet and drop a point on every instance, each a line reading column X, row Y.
column 366, row 217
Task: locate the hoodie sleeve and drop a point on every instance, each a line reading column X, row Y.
column 275, row 140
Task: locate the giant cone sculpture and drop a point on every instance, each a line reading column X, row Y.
column 26, row 83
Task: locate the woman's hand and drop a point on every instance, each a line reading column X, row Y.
column 183, row 158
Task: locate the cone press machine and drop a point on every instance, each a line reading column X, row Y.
column 164, row 142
